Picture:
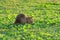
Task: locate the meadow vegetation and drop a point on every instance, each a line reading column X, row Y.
column 46, row 16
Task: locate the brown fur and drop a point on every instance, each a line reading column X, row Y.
column 22, row 19
column 29, row 20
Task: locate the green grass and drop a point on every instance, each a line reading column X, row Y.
column 46, row 15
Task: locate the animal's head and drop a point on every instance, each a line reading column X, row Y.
column 29, row 20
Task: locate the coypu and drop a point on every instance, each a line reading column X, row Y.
column 22, row 19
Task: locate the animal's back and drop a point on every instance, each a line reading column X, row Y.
column 21, row 18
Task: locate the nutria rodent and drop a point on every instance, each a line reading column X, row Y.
column 21, row 18
column 29, row 20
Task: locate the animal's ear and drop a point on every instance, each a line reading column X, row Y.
column 30, row 17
